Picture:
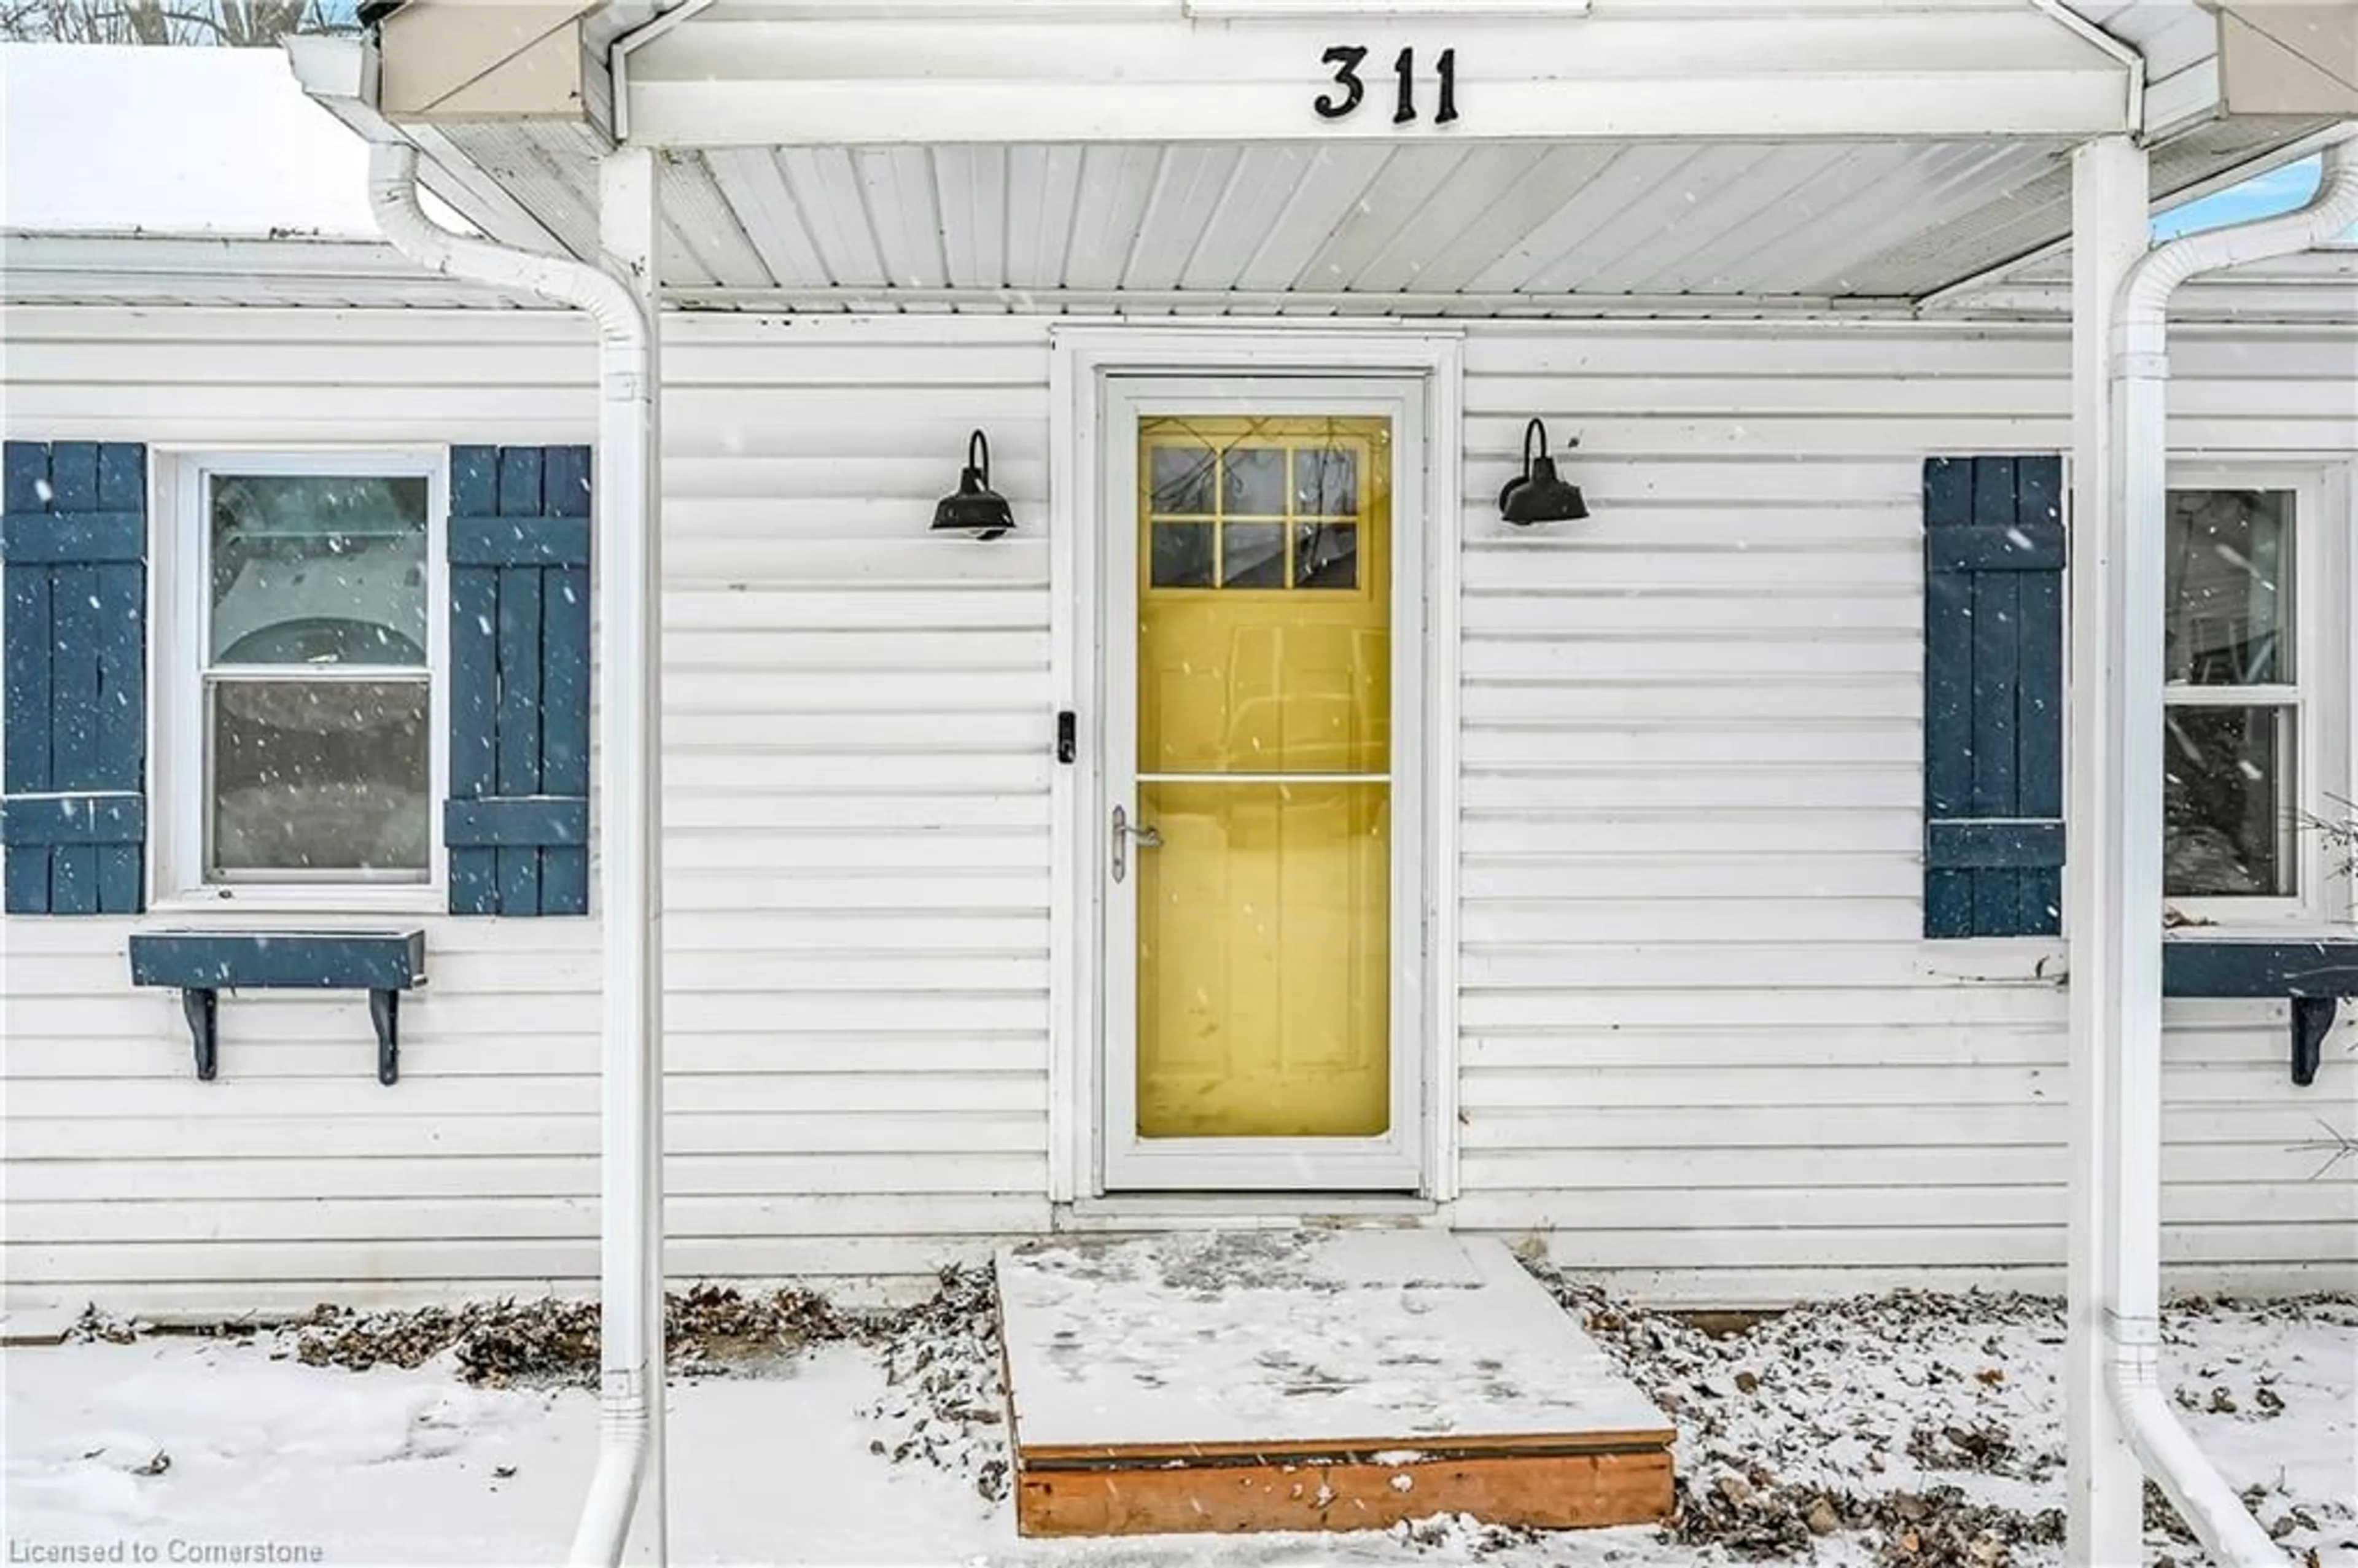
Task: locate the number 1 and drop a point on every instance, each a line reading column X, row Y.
column 1447, row 70
column 1406, row 66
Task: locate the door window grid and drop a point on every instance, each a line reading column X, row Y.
column 1258, row 513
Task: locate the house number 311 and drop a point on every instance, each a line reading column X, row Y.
column 1346, row 57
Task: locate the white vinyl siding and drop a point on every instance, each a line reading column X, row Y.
column 1703, row 1040
column 858, row 742
column 855, row 853
column 295, row 1175
column 1701, row 1037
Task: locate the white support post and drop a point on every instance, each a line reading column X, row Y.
column 2114, row 1005
column 630, row 691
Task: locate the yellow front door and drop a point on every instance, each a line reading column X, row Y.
column 1264, row 769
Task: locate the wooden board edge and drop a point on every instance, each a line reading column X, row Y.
column 1346, row 1450
column 1550, row 1492
column 1006, row 1366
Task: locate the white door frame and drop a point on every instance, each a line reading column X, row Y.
column 1417, row 375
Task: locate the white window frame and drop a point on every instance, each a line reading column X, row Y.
column 2321, row 694
column 179, row 569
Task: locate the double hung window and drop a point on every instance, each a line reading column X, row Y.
column 2250, row 650
column 306, row 594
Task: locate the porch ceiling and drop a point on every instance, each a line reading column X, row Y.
column 1363, row 219
column 1473, row 228
column 1145, row 156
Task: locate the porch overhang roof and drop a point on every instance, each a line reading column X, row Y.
column 1168, row 157
column 1356, row 227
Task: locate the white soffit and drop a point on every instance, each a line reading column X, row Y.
column 1417, row 228
column 1053, row 227
column 1725, row 219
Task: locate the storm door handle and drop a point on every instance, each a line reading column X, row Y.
column 1123, row 833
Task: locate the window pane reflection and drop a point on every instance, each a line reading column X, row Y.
column 2228, row 802
column 1256, row 477
column 1181, row 556
column 1252, row 555
column 318, row 570
column 1327, row 482
column 1182, row 479
column 2230, row 587
column 319, row 775
column 1325, row 554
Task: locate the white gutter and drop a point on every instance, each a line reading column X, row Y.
column 2061, row 13
column 622, row 45
column 630, row 1323
column 341, row 75
column 2140, row 395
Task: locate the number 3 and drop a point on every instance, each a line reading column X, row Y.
column 1345, row 60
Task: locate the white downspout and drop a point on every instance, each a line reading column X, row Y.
column 630, row 1323
column 2140, row 394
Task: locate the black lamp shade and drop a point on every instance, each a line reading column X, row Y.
column 976, row 509
column 1537, row 495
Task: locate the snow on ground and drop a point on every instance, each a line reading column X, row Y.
column 1394, row 1334
column 1901, row 1396
column 1867, row 1406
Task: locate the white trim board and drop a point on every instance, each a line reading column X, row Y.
column 1156, row 75
column 1082, row 360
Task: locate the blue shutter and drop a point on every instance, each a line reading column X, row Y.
column 73, row 813
column 517, row 823
column 1993, row 697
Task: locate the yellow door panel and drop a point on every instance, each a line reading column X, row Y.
column 1264, row 666
column 1264, row 949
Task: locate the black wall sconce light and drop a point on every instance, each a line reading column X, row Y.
column 1537, row 495
column 976, row 509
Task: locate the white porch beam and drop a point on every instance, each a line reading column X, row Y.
column 1974, row 74
column 2115, row 877
column 2110, row 232
column 2137, row 481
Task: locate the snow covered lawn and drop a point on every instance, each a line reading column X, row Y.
column 1827, row 1434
